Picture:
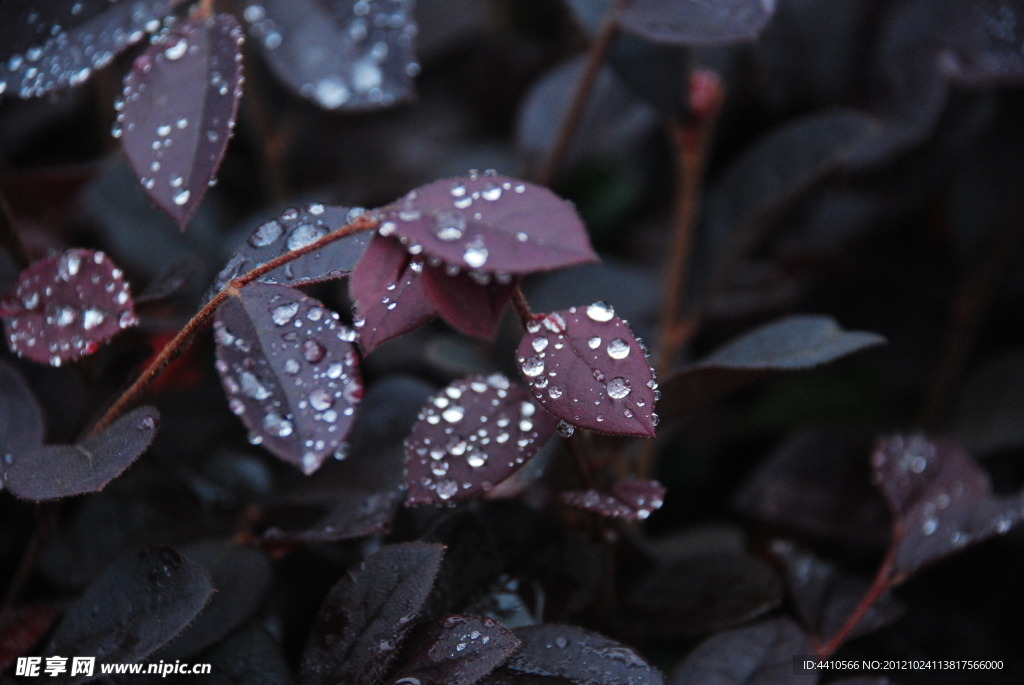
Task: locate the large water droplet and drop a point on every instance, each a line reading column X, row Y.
column 252, row 387
column 305, row 234
column 534, row 366
column 618, row 388
column 182, row 197
column 449, row 224
column 565, row 429
column 91, row 318
column 320, row 399
column 600, row 311
column 476, row 459
column 177, row 50
column 284, row 313
column 491, row 192
column 618, row 349
column 594, row 342
column 540, row 343
column 312, row 351
column 275, row 425
column 453, row 414
column 266, row 234
column 476, row 253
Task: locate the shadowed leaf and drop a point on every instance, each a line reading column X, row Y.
column 249, row 656
column 178, row 111
column 170, row 280
column 21, row 419
column 472, row 306
column 21, row 628
column 697, row 22
column 580, row 656
column 456, row 650
column 633, row 500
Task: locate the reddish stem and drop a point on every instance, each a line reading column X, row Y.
column 882, row 583
column 205, row 9
column 522, row 307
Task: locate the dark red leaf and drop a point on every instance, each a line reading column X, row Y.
column 456, row 650
column 585, row 367
column 64, row 307
column 793, row 343
column 633, row 500
column 178, row 111
column 170, row 280
column 58, row 471
column 489, row 224
column 583, row 657
column 135, row 607
column 21, row 419
column 761, row 654
column 290, row 371
column 53, row 45
column 941, row 499
column 697, row 22
column 297, row 228
column 701, row 594
column 367, row 615
column 388, row 290
column 471, row 436
column 21, row 628
column 341, row 55
column 471, row 304
column 825, row 596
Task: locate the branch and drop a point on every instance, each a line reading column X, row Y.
column 881, row 584
column 521, row 306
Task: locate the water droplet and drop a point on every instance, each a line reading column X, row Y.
column 554, row 392
column 534, row 366
column 177, row 50
column 618, row 349
column 618, row 388
column 600, row 311
column 164, row 130
column 252, row 387
column 182, row 197
column 453, row 414
column 565, row 429
column 594, row 343
column 305, row 234
column 320, row 399
column 476, row 253
column 91, row 318
column 476, row 459
column 491, row 192
column 331, row 92
column 284, row 313
column 266, row 234
column 449, row 224
column 540, row 344
column 447, row 488
column 313, row 351
column 275, row 425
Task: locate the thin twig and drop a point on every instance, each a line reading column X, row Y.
column 883, row 581
column 9, row 236
column 521, row 307
column 183, row 339
column 571, row 120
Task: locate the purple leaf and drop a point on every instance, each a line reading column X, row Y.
column 135, row 607
column 979, row 44
column 701, row 594
column 825, row 596
column 471, row 306
column 341, row 55
column 472, row 436
column 21, row 419
column 489, row 225
column 585, row 367
column 297, row 228
column 456, row 650
column 761, row 654
column 388, row 290
column 583, row 657
column 53, row 45
column 633, row 500
column 697, row 22
column 793, row 343
column 64, row 470
column 941, row 499
column 178, row 111
column 367, row 615
column 64, row 307
column 290, row 371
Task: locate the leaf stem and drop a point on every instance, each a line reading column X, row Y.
column 184, row 338
column 205, row 9
column 571, row 120
column 521, row 306
column 882, row 583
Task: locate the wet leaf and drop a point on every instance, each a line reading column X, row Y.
column 455, row 650
column 64, row 307
column 701, row 594
column 297, row 228
column 57, row 44
column 980, row 43
column 170, row 280
column 697, row 22
column 793, row 343
column 941, row 499
column 471, row 305
column 178, row 111
column 290, row 372
column 582, row 657
column 760, row 654
column 21, row 628
column 366, row 616
column 135, row 607
column 633, row 500
column 56, row 471
column 345, row 54
column 471, row 436
column 388, row 290
column 489, row 224
column 584, row 365
column 21, row 418
column 825, row 596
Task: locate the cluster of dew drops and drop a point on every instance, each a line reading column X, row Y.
column 617, row 349
column 467, row 442
column 370, row 37
column 68, row 57
column 333, row 381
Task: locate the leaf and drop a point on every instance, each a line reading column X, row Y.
column 21, row 628
column 170, row 280
column 240, row 577
column 472, row 305
column 293, row 229
column 389, row 293
column 178, row 111
column 341, row 55
column 505, row 676
column 135, row 607
column 989, row 412
column 290, row 371
column 760, row 654
column 697, row 22
column 825, row 596
column 701, row 594
column 980, row 46
column 583, row 657
column 21, row 418
column 489, row 224
column 470, row 437
column 455, row 650
column 65, row 306
column 249, row 656
column 584, row 366
column 793, row 343
column 633, row 500
column 940, row 498
column 56, row 471
column 367, row 615
column 58, row 44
